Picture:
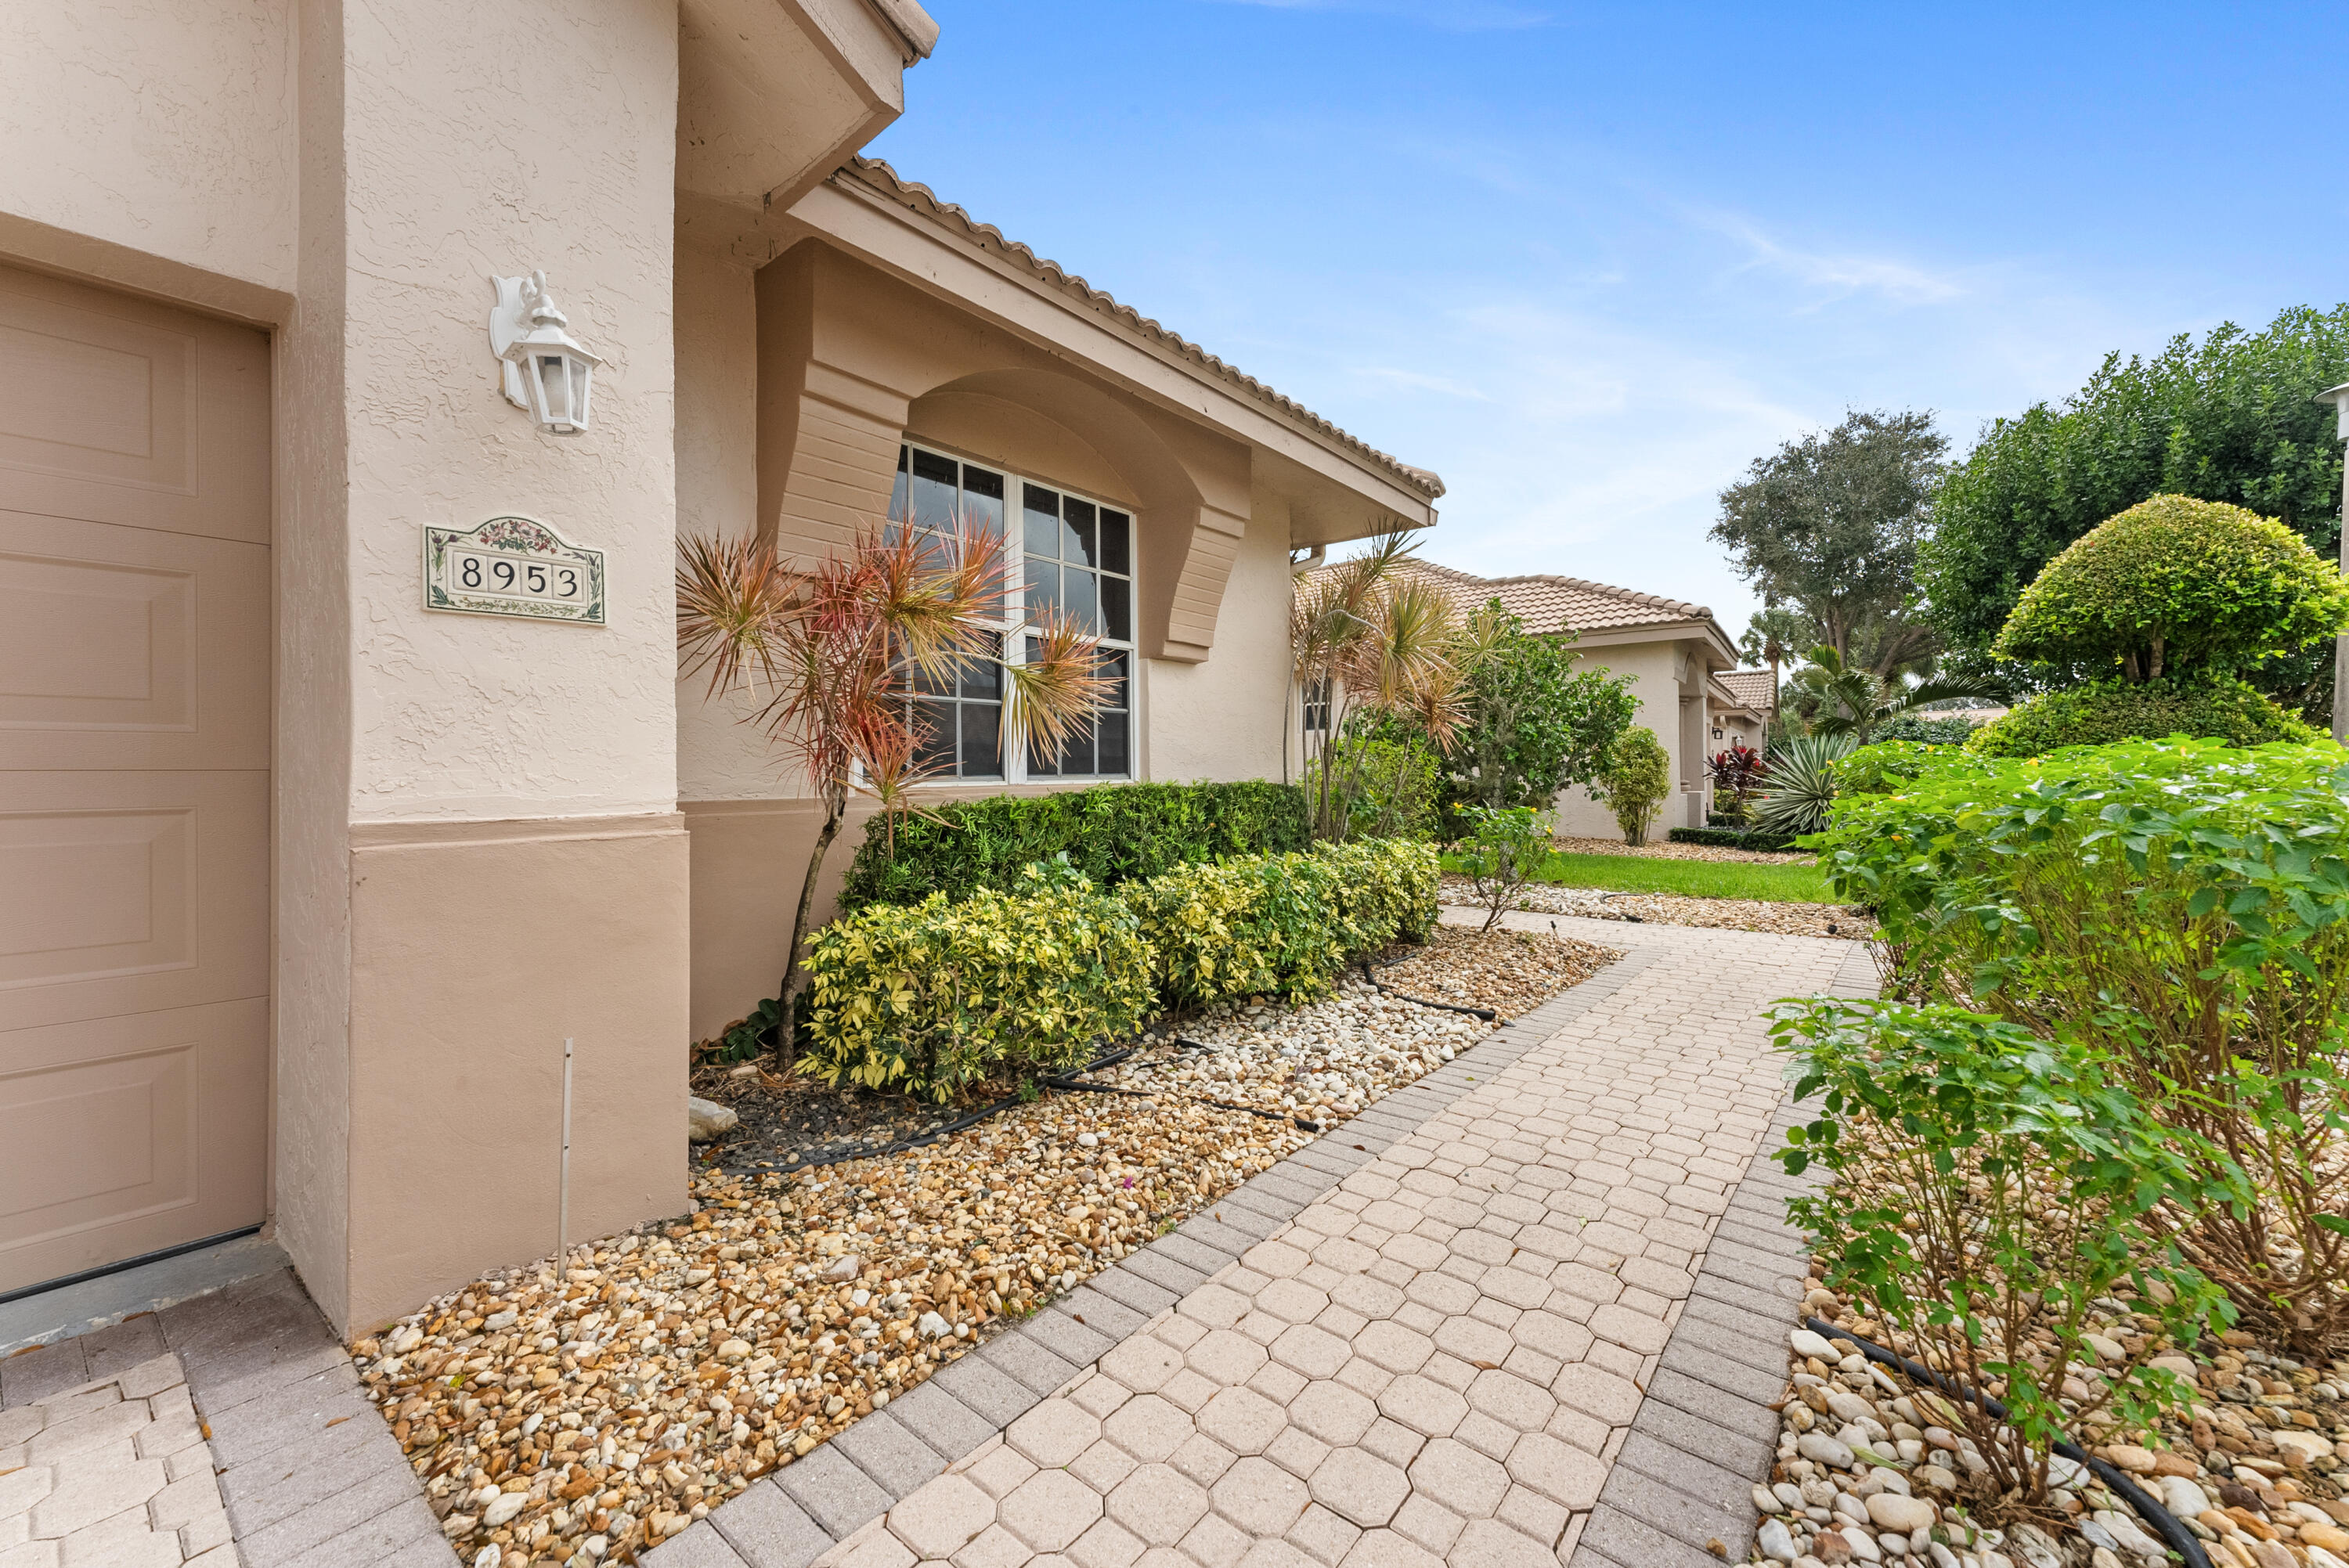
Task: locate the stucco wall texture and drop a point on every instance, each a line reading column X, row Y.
column 166, row 127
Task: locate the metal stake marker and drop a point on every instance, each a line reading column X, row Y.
column 562, row 1206
column 2339, row 397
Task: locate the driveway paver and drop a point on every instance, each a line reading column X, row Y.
column 1447, row 1353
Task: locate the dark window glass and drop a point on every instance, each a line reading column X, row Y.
column 1112, row 669
column 897, row 491
column 933, row 736
column 928, row 685
column 1110, row 752
column 982, row 500
column 983, row 679
column 933, row 489
column 1115, row 555
column 1043, row 590
column 1076, row 530
column 982, row 740
column 1078, row 594
column 1117, row 618
column 1043, row 521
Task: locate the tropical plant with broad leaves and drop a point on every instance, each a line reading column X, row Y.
column 829, row 652
column 1799, row 789
column 1838, row 698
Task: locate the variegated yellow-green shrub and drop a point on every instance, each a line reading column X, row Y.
column 928, row 999
column 1258, row 925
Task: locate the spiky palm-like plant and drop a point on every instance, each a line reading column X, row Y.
column 831, row 651
column 1378, row 637
column 1842, row 699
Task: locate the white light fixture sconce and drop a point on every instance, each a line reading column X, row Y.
column 542, row 367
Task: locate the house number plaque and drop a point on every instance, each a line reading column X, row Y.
column 512, row 566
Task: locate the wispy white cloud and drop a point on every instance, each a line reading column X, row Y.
column 1420, row 381
column 1452, row 16
column 1837, row 273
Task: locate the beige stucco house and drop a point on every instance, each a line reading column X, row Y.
column 1740, row 709
column 308, row 871
column 1672, row 651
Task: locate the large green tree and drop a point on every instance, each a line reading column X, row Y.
column 1531, row 723
column 2231, row 418
column 1828, row 527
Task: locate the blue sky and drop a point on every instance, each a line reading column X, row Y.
column 1589, row 262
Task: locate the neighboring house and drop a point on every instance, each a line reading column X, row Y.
column 1672, row 652
column 307, row 884
column 1740, row 709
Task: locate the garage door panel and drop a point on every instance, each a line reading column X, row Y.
column 136, row 615
column 124, row 1135
column 128, row 892
column 118, row 410
column 124, row 648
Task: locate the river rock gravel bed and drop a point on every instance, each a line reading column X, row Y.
column 580, row 1413
column 1667, row 850
column 1668, row 909
column 1865, row 1474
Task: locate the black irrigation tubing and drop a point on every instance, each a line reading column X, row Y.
column 2148, row 1508
column 1486, row 1014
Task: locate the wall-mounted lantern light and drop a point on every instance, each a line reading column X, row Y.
column 542, row 367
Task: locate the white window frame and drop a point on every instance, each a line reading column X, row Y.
column 1016, row 629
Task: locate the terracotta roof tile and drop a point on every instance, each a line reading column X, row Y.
column 879, row 177
column 1548, row 603
column 1750, row 688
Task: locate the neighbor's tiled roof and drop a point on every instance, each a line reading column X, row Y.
column 1750, row 687
column 879, row 177
column 1566, row 603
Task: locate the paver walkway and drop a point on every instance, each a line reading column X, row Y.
column 1439, row 1359
column 114, row 1471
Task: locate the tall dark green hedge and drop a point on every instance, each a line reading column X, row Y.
column 1112, row 833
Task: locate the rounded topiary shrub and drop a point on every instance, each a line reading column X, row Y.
column 2175, row 585
column 2103, row 712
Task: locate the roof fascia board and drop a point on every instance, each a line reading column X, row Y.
column 885, row 235
column 1707, row 632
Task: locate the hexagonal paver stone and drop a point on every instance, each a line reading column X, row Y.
column 1359, row 1487
column 1291, row 1300
column 1108, row 1544
column 1225, row 1358
column 1053, row 1434
column 1559, row 1470
column 1276, row 1260
column 1260, row 1497
column 1148, row 1427
column 1505, row 1397
column 1142, row 1364
column 1459, row 1478
column 1472, row 1339
column 1423, row 1405
column 1632, row 1330
column 1158, row 1503
column 1550, row 1335
column 1315, row 1352
column 1332, row 1412
column 1242, row 1421
column 1394, row 1348
column 943, row 1517
column 1489, row 1544
column 1596, row 1392
column 1372, row 1298
column 1049, row 1509
column 1387, row 1549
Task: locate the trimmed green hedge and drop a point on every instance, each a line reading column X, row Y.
column 1112, row 833
column 2102, row 713
column 930, row 998
column 1733, row 837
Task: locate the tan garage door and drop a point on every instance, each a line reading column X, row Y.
column 134, row 777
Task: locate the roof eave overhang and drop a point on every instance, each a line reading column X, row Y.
column 864, row 221
column 1709, row 633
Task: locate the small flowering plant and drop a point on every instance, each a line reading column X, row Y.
column 1987, row 1189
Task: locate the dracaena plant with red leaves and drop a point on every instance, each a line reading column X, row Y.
column 830, row 651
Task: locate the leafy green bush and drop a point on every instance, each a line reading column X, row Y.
column 1387, row 788
column 2177, row 586
column 1112, row 833
column 1531, row 724
column 1987, row 1187
column 1924, row 727
column 1260, row 925
column 2181, row 908
column 1892, row 765
column 1505, row 850
column 1636, row 780
column 2103, row 712
column 930, row 998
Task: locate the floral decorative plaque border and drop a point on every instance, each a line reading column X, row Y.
column 525, row 540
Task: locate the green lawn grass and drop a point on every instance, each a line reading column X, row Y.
column 1781, row 884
